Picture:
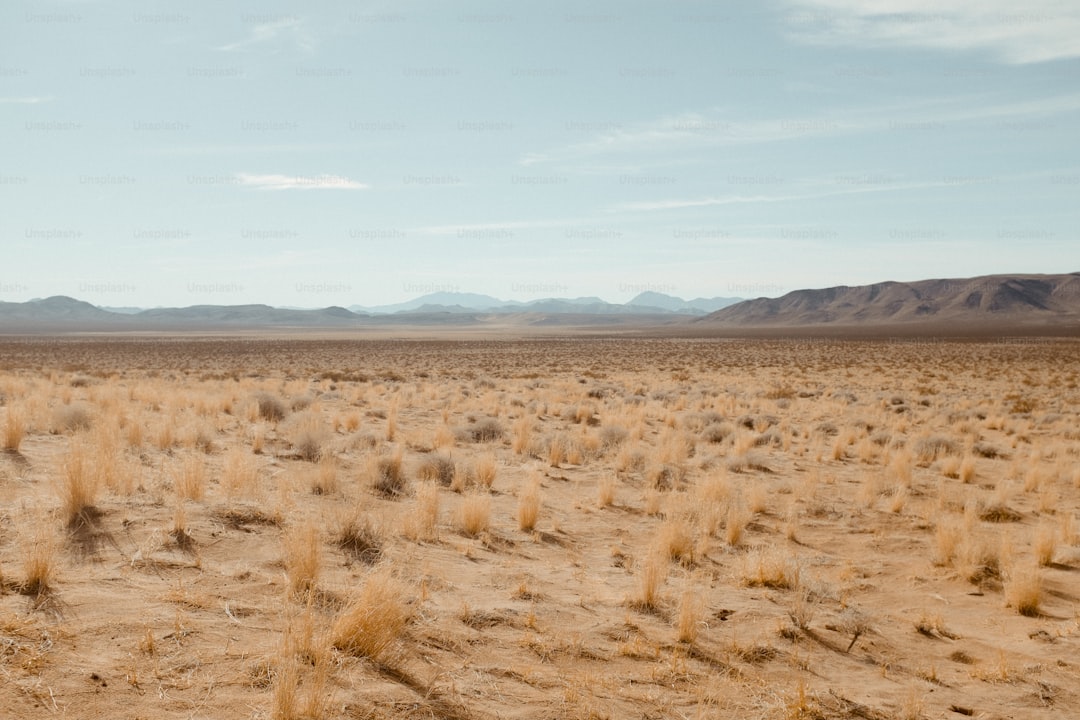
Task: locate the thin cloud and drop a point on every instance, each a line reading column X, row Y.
column 693, row 132
column 682, row 203
column 299, row 182
column 32, row 100
column 268, row 32
column 1017, row 33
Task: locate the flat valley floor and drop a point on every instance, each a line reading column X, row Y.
column 300, row 527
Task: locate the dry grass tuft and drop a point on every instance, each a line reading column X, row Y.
column 38, row 560
column 302, row 557
column 79, row 485
column 485, row 469
column 650, row 580
column 768, row 567
column 422, row 520
column 1023, row 590
column 375, row 618
column 688, row 622
column 605, row 491
column 14, row 428
column 528, row 509
column 474, row 514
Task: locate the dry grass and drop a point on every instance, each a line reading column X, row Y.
column 422, row 520
column 528, row 509
column 474, row 514
column 14, row 428
column 375, row 617
column 605, row 491
column 302, row 557
column 190, row 479
column 1044, row 544
column 769, row 567
column 688, row 622
column 485, row 469
column 651, row 579
column 698, row 550
column 39, row 559
column 78, row 486
column 1024, row 590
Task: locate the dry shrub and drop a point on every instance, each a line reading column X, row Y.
column 487, row 429
column 72, row 418
column 717, row 432
column 474, row 514
column 438, row 467
column 302, row 558
column 271, row 407
column 374, row 618
column 929, row 449
column 612, row 437
column 360, row 537
column 309, row 438
column 387, row 475
column 528, row 509
column 14, row 428
column 324, row 480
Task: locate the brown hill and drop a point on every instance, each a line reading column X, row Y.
column 1004, row 301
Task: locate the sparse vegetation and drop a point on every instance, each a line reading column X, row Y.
column 650, row 526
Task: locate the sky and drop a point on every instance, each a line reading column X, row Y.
column 340, row 153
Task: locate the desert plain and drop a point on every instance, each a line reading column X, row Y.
column 562, row 527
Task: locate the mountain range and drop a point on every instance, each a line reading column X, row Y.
column 646, row 302
column 991, row 300
column 991, row 304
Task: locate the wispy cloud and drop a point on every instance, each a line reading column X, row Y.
column 682, row 203
column 693, row 132
column 1018, row 33
column 31, row 100
column 263, row 33
column 299, row 182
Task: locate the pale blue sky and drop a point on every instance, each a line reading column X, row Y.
column 310, row 154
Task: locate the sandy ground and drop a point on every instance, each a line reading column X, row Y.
column 750, row 529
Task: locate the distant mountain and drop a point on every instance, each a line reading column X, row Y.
column 58, row 310
column 1012, row 300
column 454, row 302
column 466, row 301
column 245, row 315
column 697, row 306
